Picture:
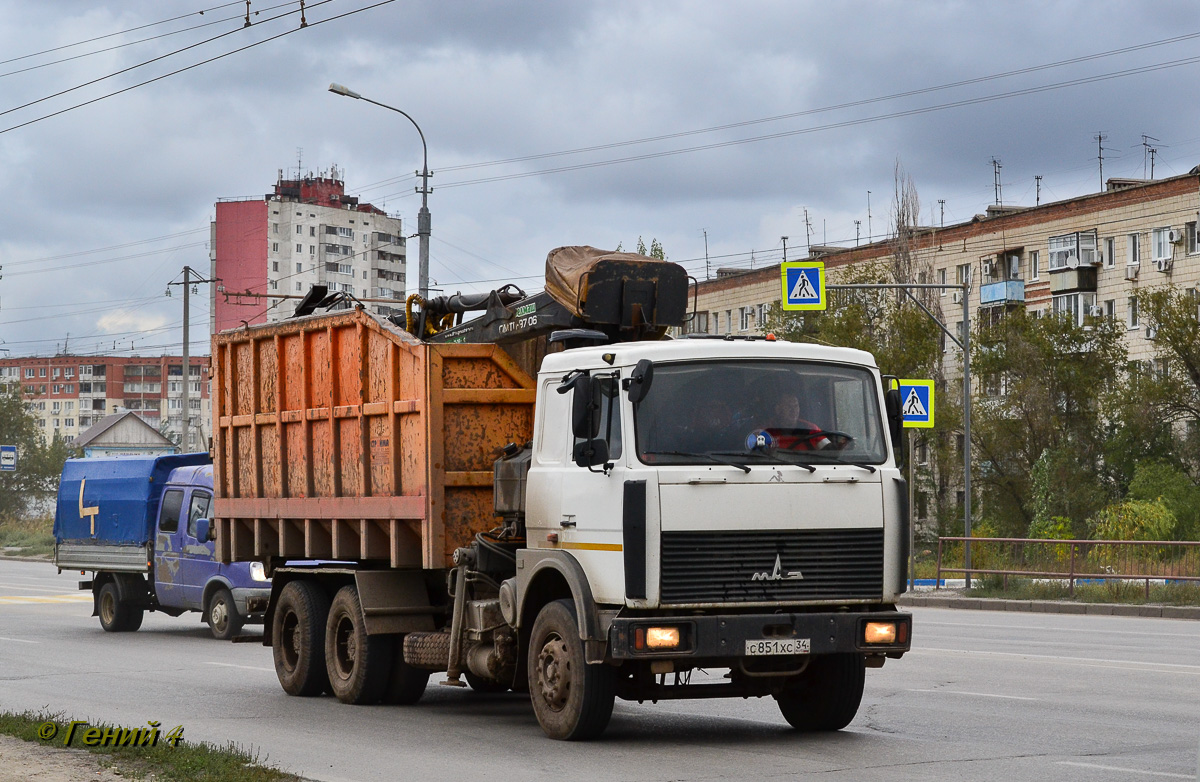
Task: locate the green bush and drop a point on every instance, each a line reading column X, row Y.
column 1156, row 480
column 1133, row 520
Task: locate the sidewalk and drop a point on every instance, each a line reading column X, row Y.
column 951, row 600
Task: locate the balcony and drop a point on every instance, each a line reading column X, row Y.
column 1003, row 292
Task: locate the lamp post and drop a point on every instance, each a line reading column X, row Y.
column 423, row 219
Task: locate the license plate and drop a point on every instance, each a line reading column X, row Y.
column 767, row 646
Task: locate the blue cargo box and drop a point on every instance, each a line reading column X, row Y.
column 114, row 501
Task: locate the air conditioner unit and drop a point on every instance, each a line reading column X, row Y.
column 957, row 297
column 1176, row 236
column 1163, row 265
column 1151, row 332
column 1096, row 311
column 987, row 268
column 1131, row 271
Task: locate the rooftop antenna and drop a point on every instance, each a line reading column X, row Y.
column 1037, row 180
column 807, row 231
column 299, row 162
column 707, row 274
column 869, row 233
column 1100, row 148
column 996, row 182
column 1147, row 152
column 942, row 205
column 784, row 238
column 1153, row 152
column 857, row 229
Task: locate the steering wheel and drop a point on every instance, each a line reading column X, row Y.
column 838, row 440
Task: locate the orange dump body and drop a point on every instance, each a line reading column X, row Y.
column 340, row 436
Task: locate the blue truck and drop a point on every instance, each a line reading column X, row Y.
column 141, row 526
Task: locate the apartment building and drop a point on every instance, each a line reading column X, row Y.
column 267, row 252
column 1085, row 257
column 70, row 393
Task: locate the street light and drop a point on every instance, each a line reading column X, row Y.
column 423, row 219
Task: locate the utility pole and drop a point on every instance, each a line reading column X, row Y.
column 942, row 207
column 1037, row 180
column 1100, row 139
column 190, row 277
column 1147, row 152
column 807, row 232
column 1153, row 152
column 857, row 228
column 784, row 238
column 707, row 274
column 869, row 233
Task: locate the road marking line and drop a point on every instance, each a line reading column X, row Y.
column 18, row 640
column 1072, row 631
column 244, row 667
column 60, row 599
column 1126, row 770
column 1088, row 661
column 981, row 694
column 57, row 588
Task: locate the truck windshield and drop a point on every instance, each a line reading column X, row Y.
column 768, row 411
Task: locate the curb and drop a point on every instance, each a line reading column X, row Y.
column 1050, row 606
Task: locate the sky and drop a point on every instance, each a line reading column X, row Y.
column 548, row 124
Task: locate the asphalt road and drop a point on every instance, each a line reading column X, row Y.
column 983, row 696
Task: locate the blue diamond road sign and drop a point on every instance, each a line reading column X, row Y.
column 803, row 285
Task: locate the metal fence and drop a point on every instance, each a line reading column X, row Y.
column 1072, row 560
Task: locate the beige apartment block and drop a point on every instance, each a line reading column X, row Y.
column 1086, row 258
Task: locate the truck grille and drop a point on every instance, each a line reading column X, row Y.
column 720, row 567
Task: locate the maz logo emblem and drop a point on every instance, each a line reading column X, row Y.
column 777, row 573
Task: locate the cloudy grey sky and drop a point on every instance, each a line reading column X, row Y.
column 674, row 118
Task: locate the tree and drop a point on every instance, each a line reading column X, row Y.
column 39, row 464
column 1048, row 391
column 655, row 250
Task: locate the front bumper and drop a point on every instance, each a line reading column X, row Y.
column 724, row 637
column 251, row 601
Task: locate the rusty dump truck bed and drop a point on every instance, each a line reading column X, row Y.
column 340, row 436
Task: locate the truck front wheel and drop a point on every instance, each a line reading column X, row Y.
column 222, row 615
column 826, row 696
column 573, row 701
column 117, row 616
column 357, row 663
column 298, row 638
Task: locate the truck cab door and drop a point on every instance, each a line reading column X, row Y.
column 590, row 518
column 167, row 550
column 197, row 564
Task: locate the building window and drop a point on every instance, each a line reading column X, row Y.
column 274, row 266
column 1192, row 245
column 68, row 421
column 298, row 286
column 942, row 279
column 299, row 228
column 28, row 371
column 728, row 321
column 1074, row 306
column 698, row 324
column 1160, row 240
column 1131, row 311
column 762, row 315
column 312, row 249
column 312, row 229
column 274, row 247
column 1014, row 267
column 744, row 318
column 346, row 232
column 1110, row 309
column 1133, row 249
column 274, row 228
column 299, row 268
column 42, row 373
column 1035, row 271
column 962, row 274
column 274, row 285
column 1071, row 250
column 299, row 248
column 1110, row 252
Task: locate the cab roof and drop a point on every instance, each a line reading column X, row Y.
column 629, row 353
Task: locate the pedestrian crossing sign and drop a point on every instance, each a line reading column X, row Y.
column 803, row 285
column 916, row 403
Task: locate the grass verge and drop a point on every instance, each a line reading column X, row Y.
column 27, row 537
column 182, row 761
column 1112, row 591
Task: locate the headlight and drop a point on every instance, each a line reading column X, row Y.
column 879, row 633
column 257, row 571
column 662, row 637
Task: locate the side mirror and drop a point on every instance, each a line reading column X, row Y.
column 640, row 380
column 895, row 419
column 591, row 453
column 204, row 531
column 585, row 423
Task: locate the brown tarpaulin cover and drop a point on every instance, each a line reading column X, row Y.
column 567, row 267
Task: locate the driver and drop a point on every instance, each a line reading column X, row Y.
column 791, row 431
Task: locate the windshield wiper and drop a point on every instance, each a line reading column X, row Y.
column 774, row 457
column 830, row 459
column 708, row 456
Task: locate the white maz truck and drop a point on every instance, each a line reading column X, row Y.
column 639, row 510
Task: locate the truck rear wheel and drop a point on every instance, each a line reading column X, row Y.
column 573, row 701
column 298, row 638
column 357, row 663
column 826, row 696
column 117, row 616
column 406, row 683
column 222, row 615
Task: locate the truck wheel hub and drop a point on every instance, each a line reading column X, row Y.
column 219, row 614
column 554, row 673
column 347, row 648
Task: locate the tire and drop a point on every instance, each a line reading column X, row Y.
column 222, row 616
column 117, row 616
column 357, row 663
column 485, row 686
column 573, row 701
column 406, row 684
column 298, row 638
column 826, row 696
